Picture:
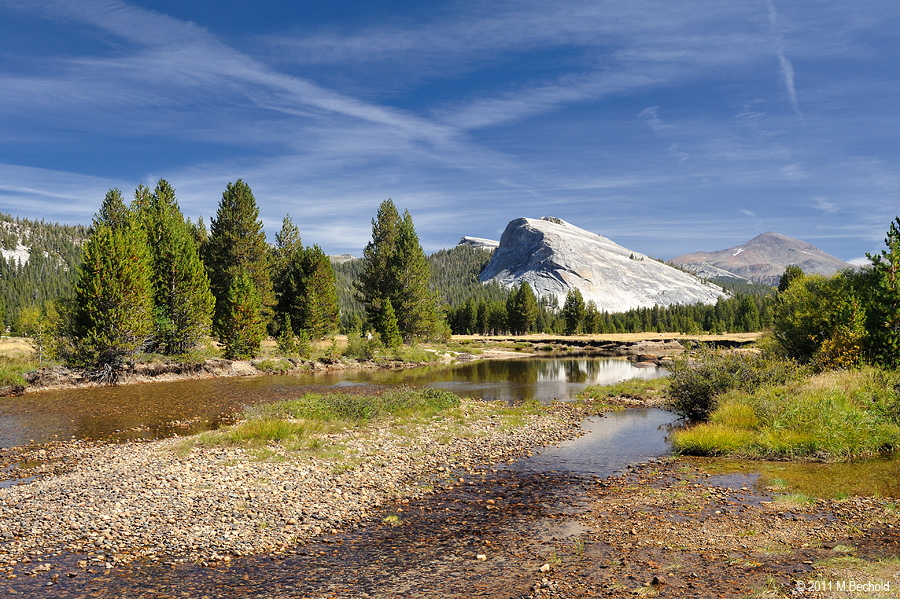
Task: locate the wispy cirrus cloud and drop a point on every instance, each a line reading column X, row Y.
column 821, row 203
column 787, row 69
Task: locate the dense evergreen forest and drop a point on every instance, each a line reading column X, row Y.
column 51, row 268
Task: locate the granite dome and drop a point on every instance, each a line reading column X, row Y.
column 554, row 256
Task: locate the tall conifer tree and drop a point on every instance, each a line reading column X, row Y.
column 285, row 274
column 113, row 315
column 319, row 313
column 243, row 327
column 414, row 304
column 521, row 309
column 885, row 312
column 237, row 243
column 375, row 283
column 304, row 284
column 573, row 311
column 182, row 298
column 113, row 211
column 395, row 269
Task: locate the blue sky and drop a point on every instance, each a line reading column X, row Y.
column 668, row 127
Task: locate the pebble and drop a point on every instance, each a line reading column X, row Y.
column 145, row 500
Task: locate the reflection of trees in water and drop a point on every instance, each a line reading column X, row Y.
column 574, row 372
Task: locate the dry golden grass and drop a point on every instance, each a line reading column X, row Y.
column 15, row 347
column 623, row 337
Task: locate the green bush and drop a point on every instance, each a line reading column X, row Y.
column 696, row 380
column 12, row 369
column 837, row 415
column 274, row 366
column 363, row 348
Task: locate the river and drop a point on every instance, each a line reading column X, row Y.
column 156, row 410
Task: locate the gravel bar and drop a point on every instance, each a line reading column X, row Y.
column 155, row 500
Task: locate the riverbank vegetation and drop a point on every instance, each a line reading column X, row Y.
column 834, row 415
column 826, row 387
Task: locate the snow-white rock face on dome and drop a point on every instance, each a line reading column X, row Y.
column 554, row 257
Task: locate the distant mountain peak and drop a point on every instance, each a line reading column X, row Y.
column 479, row 243
column 554, row 256
column 764, row 258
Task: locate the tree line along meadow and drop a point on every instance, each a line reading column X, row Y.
column 147, row 280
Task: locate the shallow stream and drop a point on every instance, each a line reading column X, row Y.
column 156, row 410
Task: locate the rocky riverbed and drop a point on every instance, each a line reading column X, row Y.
column 176, row 500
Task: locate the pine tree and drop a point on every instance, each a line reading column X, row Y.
column 242, row 328
column 885, row 313
column 387, row 328
column 396, row 270
column 790, row 273
column 113, row 211
column 413, row 303
column 318, row 306
column 113, row 296
column 748, row 314
column 304, row 284
column 181, row 294
column 237, row 243
column 286, row 258
column 573, row 311
column 375, row 283
column 521, row 309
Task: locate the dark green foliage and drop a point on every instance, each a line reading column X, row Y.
column 237, row 244
column 352, row 312
column 748, row 314
column 696, row 380
column 387, row 327
column 885, row 311
column 454, row 276
column 304, row 284
column 395, row 270
column 415, row 305
column 51, row 270
column 374, row 284
column 113, row 316
column 318, row 307
column 200, row 234
column 286, row 342
column 304, row 345
column 243, row 327
column 181, row 294
column 591, row 318
column 113, row 211
column 521, row 309
column 791, row 273
column 573, row 311
column 287, row 275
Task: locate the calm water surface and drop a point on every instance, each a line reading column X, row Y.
column 155, row 410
